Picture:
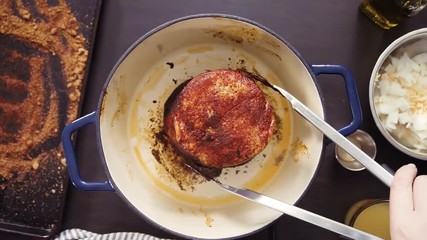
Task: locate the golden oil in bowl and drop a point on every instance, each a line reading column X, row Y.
column 371, row 216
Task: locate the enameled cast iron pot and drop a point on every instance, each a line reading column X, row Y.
column 129, row 111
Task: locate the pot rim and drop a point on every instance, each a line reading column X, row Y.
column 98, row 110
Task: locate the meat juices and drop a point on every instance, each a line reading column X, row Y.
column 220, row 119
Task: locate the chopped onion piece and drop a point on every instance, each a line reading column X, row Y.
column 401, row 100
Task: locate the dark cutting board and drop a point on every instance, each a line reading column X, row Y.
column 45, row 47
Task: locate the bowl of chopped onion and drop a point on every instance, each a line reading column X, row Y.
column 398, row 93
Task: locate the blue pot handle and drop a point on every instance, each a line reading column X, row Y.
column 70, row 156
column 353, row 97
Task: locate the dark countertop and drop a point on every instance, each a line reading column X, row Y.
column 324, row 32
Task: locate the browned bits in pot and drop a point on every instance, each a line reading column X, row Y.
column 298, row 150
column 173, row 163
column 170, row 64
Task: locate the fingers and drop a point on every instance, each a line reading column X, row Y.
column 401, row 197
column 420, row 193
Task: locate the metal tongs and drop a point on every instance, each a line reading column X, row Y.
column 377, row 170
column 299, row 213
column 288, row 209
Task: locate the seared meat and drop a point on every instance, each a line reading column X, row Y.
column 220, row 118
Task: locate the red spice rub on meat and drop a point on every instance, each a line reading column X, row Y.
column 221, row 118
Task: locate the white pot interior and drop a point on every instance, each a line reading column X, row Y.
column 137, row 91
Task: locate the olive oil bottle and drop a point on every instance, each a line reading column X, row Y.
column 389, row 13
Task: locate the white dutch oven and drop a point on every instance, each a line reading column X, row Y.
column 133, row 99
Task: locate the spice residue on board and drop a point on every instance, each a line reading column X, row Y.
column 44, row 53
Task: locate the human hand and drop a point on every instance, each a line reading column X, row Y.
column 408, row 204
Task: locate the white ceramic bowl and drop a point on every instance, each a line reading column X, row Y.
column 413, row 43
